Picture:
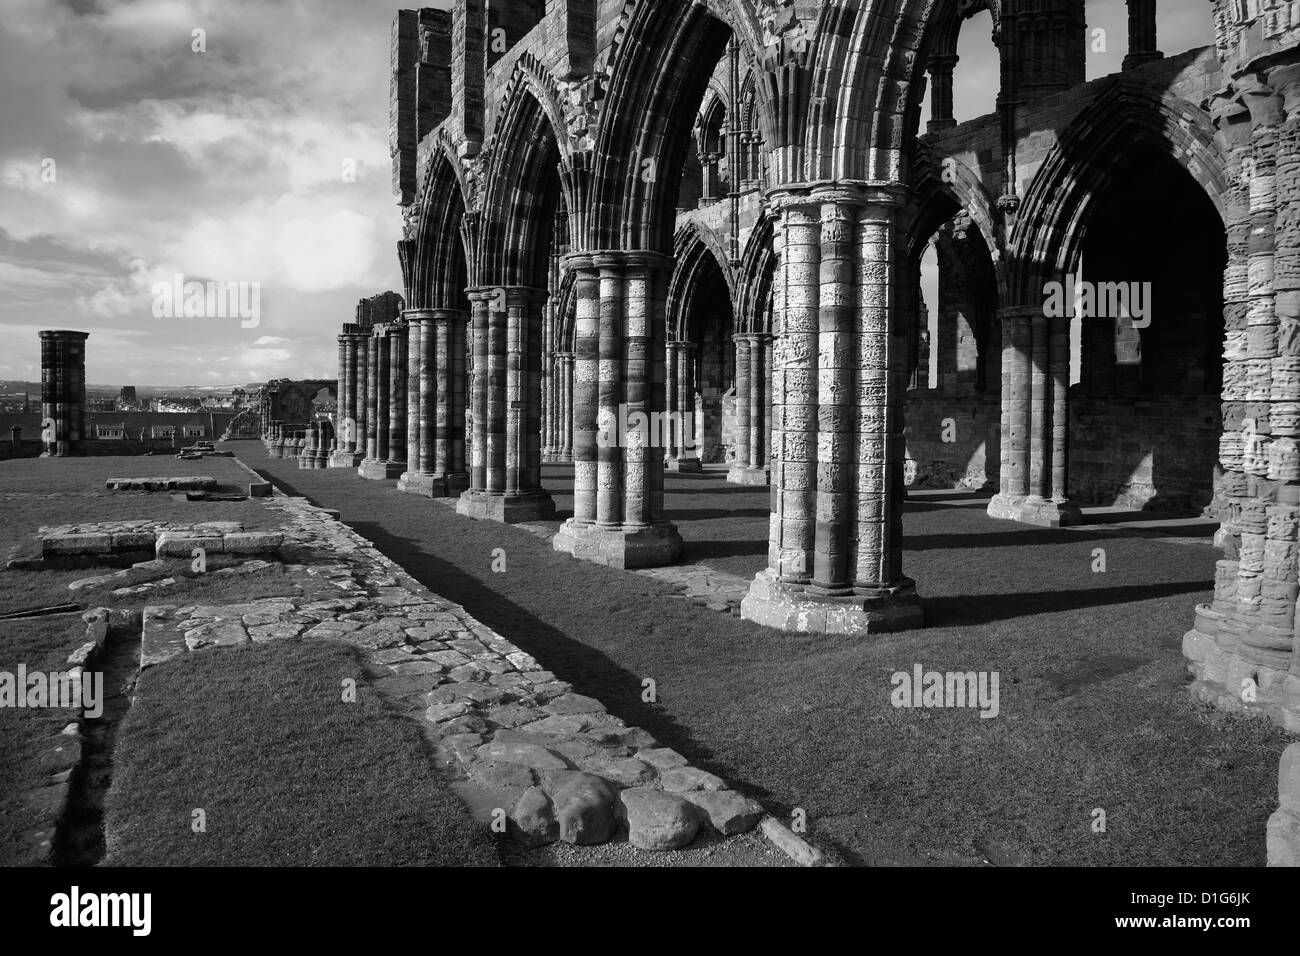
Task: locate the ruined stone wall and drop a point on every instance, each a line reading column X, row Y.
column 1138, row 452
column 952, row 441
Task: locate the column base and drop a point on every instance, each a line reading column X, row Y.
column 346, row 459
column 1283, row 832
column 651, row 547
column 508, row 509
column 795, row 607
column 684, row 466
column 433, row 486
column 744, row 475
column 1026, row 509
column 380, row 470
column 313, row 462
column 1225, row 663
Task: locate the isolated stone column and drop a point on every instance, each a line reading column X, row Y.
column 1141, row 34
column 835, row 553
column 683, row 454
column 941, row 66
column 620, row 398
column 512, row 392
column 63, row 392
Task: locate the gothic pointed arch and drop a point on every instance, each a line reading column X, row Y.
column 1052, row 223
column 697, row 252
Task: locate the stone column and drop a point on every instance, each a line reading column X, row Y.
column 480, row 301
column 418, row 410
column 513, row 487
column 1242, row 649
column 63, row 392
column 379, row 419
column 1033, row 481
column 753, row 356
column 361, row 386
column 397, row 392
column 683, row 453
column 835, row 549
column 350, row 432
column 455, row 393
column 941, row 66
column 620, row 397
column 1141, row 34
column 565, row 413
column 415, row 417
column 743, row 346
column 372, row 396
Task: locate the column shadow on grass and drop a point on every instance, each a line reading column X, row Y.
column 968, row 610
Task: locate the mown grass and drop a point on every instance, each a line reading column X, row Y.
column 259, row 738
column 28, row 734
column 1094, row 711
column 78, row 496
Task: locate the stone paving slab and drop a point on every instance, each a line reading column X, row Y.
column 524, row 748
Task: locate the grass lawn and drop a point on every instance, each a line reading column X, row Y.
column 1093, row 708
column 259, row 738
column 26, row 735
column 53, row 491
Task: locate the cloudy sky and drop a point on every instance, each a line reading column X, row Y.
column 128, row 158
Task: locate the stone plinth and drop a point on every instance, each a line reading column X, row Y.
column 1035, row 511
column 684, row 466
column 1284, row 824
column 743, row 475
column 617, row 548
column 796, row 607
column 508, row 509
column 433, row 486
column 378, row 470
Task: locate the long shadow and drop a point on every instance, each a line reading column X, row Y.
column 602, row 677
column 707, row 514
column 965, row 610
column 697, row 550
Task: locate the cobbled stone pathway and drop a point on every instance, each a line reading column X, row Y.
column 526, row 751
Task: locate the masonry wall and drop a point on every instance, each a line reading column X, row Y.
column 970, row 459
column 1144, row 452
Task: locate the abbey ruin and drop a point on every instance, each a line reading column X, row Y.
column 718, row 210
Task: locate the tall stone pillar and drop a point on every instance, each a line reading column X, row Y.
column 438, row 470
column 564, row 413
column 379, row 407
column 619, row 396
column 415, row 412
column 1033, row 480
column 1141, row 34
column 1242, row 648
column 351, row 415
column 63, row 392
column 512, row 391
column 835, row 552
column 397, row 391
column 683, row 453
column 753, row 355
